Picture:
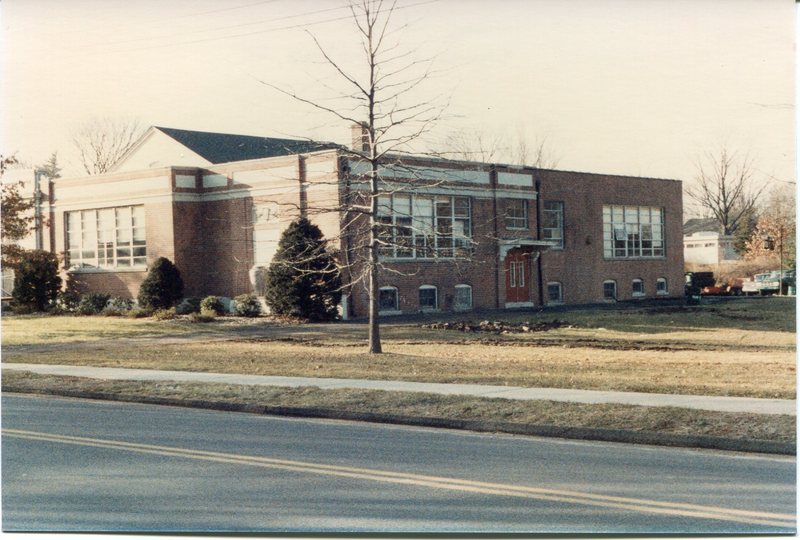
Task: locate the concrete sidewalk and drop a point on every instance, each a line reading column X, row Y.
column 708, row 403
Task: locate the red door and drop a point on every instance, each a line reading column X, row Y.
column 518, row 277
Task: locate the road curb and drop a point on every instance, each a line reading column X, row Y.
column 577, row 433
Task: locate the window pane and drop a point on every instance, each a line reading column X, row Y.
column 463, row 297
column 388, row 299
column 427, row 298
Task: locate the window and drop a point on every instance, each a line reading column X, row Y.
column 553, row 223
column 554, row 293
column 106, row 238
column 424, row 227
column 633, row 231
column 463, row 298
column 387, row 299
column 637, row 287
column 661, row 286
column 428, row 298
column 610, row 290
column 516, row 214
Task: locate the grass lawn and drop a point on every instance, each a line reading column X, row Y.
column 741, row 347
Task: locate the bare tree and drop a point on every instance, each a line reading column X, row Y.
column 378, row 96
column 101, row 142
column 724, row 187
column 484, row 147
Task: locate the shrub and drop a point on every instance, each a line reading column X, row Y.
column 247, row 305
column 162, row 287
column 164, row 314
column 203, row 316
column 138, row 312
column 117, row 307
column 36, row 281
column 212, row 303
column 93, row 303
column 302, row 280
column 188, row 305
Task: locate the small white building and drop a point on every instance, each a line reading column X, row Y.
column 708, row 247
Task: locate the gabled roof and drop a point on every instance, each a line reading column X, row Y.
column 224, row 147
column 701, row 225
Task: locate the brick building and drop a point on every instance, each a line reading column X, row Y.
column 457, row 235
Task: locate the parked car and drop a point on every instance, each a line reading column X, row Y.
column 763, row 284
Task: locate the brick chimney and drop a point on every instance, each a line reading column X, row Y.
column 360, row 137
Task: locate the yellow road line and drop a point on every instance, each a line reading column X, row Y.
column 438, row 482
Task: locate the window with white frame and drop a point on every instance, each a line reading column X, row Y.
column 553, row 223
column 633, row 232
column 424, row 227
column 463, row 298
column 555, row 293
column 387, row 299
column 661, row 286
column 516, row 214
column 428, row 298
column 109, row 238
column 609, row 289
column 637, row 287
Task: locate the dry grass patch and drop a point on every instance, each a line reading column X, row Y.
column 766, row 374
column 647, row 419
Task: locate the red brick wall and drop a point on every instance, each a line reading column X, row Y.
column 581, row 266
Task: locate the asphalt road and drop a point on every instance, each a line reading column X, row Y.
column 77, row 465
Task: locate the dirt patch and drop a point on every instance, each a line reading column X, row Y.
column 499, row 327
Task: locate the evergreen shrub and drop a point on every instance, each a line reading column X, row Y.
column 247, row 305
column 162, row 287
column 302, row 280
column 36, row 281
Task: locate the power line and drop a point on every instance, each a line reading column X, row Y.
column 258, row 32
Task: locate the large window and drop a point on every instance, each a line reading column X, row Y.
column 516, row 214
column 553, row 223
column 107, row 238
column 633, row 231
column 424, row 227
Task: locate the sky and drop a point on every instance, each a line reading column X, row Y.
column 634, row 87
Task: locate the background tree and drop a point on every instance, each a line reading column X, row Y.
column 484, row 147
column 102, row 142
column 162, row 287
column 724, row 187
column 50, row 168
column 36, row 280
column 775, row 234
column 381, row 95
column 745, row 230
column 303, row 280
column 16, row 218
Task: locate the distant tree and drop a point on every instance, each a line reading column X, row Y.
column 163, row 286
column 16, row 219
column 724, row 187
column 36, row 280
column 302, row 279
column 51, row 168
column 102, row 142
column 745, row 230
column 775, row 232
column 481, row 146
